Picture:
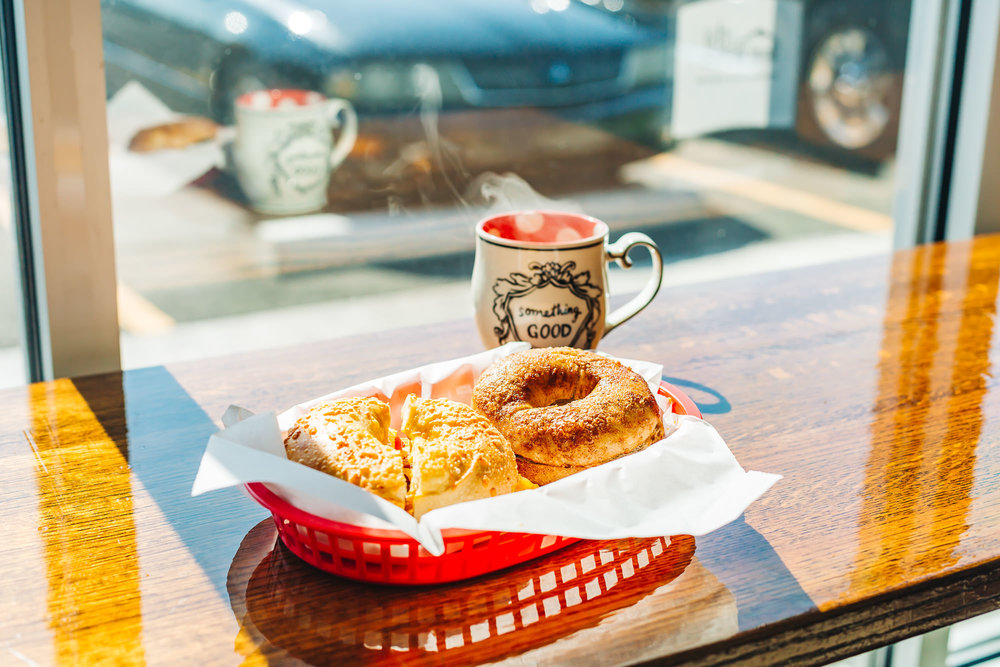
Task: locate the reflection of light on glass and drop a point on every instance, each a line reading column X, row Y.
column 614, row 5
column 235, row 22
column 591, row 2
column 300, row 22
column 544, row 6
column 318, row 19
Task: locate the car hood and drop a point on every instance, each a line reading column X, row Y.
column 391, row 28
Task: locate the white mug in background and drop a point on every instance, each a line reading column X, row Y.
column 541, row 277
column 284, row 150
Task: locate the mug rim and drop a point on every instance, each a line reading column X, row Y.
column 601, row 231
column 246, row 107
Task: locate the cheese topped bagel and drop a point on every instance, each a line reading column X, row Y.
column 445, row 452
column 350, row 438
column 456, row 454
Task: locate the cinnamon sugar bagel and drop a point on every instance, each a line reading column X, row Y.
column 565, row 409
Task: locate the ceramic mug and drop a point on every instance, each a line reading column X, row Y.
column 541, row 277
column 284, row 150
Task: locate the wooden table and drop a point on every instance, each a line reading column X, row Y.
column 867, row 384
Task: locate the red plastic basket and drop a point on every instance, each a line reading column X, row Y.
column 393, row 557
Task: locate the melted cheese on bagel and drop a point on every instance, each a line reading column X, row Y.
column 350, row 438
column 456, row 454
column 447, row 452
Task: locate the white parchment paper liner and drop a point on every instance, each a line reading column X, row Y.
column 688, row 483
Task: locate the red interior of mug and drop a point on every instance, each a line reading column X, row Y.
column 279, row 98
column 543, row 227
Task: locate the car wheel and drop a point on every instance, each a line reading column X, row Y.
column 850, row 92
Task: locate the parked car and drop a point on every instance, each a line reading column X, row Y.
column 553, row 54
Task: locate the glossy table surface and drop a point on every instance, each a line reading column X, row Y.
column 867, row 384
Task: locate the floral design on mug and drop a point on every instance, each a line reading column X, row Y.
column 516, row 285
column 300, row 159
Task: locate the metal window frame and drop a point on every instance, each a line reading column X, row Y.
column 930, row 82
column 55, row 93
column 31, row 335
column 974, row 198
column 949, row 138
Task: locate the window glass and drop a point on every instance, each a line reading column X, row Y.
column 12, row 367
column 741, row 135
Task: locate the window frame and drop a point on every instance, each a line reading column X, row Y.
column 974, row 199
column 62, row 191
column 929, row 78
column 949, row 136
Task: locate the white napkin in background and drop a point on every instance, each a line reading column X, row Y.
column 158, row 173
column 688, row 483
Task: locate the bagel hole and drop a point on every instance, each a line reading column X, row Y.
column 561, row 389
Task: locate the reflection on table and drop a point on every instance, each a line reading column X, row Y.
column 589, row 590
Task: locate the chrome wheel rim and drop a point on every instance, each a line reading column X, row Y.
column 850, row 80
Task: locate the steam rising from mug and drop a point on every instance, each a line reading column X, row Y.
column 509, row 192
column 487, row 192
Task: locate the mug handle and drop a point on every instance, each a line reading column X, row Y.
column 618, row 251
column 349, row 133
